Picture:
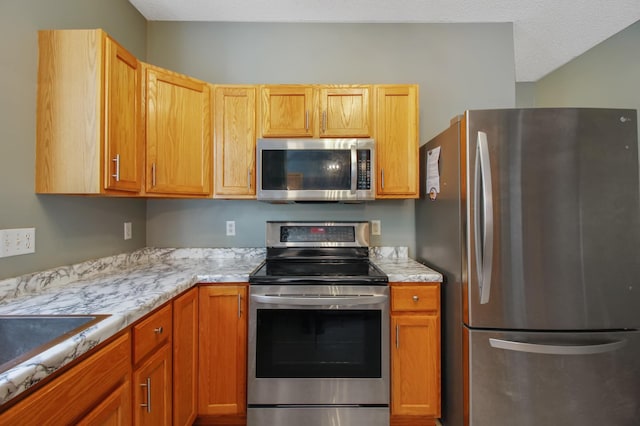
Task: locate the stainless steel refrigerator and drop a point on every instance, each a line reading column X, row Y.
column 536, row 228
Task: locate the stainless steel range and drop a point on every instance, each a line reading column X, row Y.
column 318, row 329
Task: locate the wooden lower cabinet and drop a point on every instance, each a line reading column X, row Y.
column 223, row 351
column 185, row 358
column 114, row 410
column 152, row 389
column 415, row 353
column 152, row 374
column 95, row 391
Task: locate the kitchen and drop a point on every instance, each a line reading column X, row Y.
column 71, row 229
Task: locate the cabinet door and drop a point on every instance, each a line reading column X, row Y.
column 234, row 141
column 288, row 111
column 223, row 350
column 124, row 153
column 345, row 112
column 415, row 365
column 152, row 389
column 185, row 358
column 397, row 141
column 178, row 134
column 114, row 410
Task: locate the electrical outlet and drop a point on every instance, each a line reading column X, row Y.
column 14, row 242
column 375, row 227
column 231, row 228
column 127, row 231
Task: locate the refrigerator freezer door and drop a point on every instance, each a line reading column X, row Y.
column 563, row 219
column 583, row 379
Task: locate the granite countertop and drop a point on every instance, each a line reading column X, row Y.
column 126, row 287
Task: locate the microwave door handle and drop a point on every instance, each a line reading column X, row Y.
column 354, row 169
column 302, row 300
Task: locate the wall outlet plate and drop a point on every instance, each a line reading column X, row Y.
column 231, row 228
column 128, row 233
column 14, row 242
column 375, row 227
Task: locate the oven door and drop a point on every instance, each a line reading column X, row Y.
column 318, row 345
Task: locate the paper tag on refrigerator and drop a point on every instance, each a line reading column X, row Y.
column 433, row 173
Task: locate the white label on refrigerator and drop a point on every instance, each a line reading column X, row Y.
column 433, row 174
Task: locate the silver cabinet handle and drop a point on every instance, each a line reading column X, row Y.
column 324, row 121
column 415, row 298
column 148, row 386
column 153, row 174
column 484, row 254
column 239, row 306
column 306, row 120
column 382, row 178
column 397, row 336
column 117, row 173
column 249, row 178
column 557, row 349
column 158, row 330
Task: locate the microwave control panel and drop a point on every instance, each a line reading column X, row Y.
column 364, row 169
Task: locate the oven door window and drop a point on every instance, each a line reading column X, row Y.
column 318, row 343
column 306, row 169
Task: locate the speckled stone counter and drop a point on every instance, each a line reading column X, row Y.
column 128, row 286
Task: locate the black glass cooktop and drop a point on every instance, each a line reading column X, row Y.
column 331, row 272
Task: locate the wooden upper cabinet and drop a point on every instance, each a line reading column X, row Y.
column 123, row 132
column 234, row 139
column 345, row 112
column 288, row 111
column 397, row 140
column 178, row 131
column 89, row 116
column 320, row 111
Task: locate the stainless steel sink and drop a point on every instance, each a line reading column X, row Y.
column 23, row 337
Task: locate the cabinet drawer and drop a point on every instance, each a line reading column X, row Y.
column 415, row 298
column 151, row 332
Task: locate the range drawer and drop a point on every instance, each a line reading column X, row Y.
column 415, row 298
column 151, row 332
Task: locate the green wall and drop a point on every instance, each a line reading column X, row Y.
column 68, row 229
column 608, row 75
column 457, row 66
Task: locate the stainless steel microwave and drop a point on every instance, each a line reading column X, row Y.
column 316, row 169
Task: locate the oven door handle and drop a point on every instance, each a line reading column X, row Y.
column 311, row 300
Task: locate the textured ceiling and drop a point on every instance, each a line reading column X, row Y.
column 546, row 33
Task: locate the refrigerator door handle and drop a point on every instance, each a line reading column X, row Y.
column 557, row 349
column 484, row 254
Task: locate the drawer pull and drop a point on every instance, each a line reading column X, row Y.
column 415, row 298
column 158, row 330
